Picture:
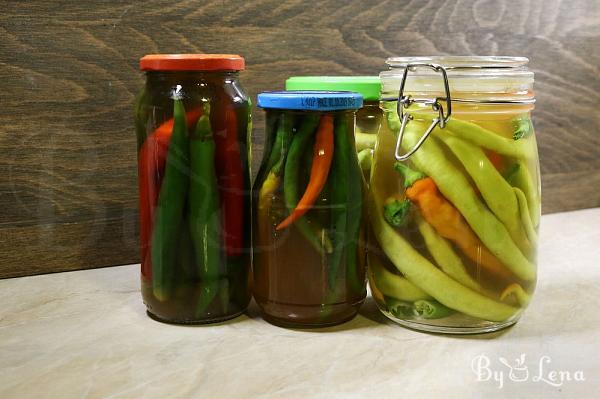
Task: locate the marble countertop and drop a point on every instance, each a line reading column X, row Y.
column 85, row 334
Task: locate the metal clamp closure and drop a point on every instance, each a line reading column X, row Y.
column 436, row 105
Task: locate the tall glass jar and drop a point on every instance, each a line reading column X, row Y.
column 309, row 257
column 368, row 117
column 455, row 194
column 192, row 122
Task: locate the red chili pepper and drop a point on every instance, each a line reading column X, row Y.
column 230, row 176
column 151, row 166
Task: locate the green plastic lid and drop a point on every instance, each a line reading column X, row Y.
column 368, row 86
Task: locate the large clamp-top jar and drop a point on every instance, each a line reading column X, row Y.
column 192, row 121
column 455, row 194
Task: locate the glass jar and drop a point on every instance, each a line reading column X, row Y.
column 309, row 257
column 368, row 117
column 192, row 121
column 455, row 194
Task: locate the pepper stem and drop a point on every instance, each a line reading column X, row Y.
column 410, row 176
column 203, row 129
column 396, row 211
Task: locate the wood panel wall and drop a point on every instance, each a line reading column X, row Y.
column 69, row 74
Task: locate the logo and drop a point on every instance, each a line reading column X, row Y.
column 518, row 371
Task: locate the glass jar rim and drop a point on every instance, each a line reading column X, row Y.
column 458, row 61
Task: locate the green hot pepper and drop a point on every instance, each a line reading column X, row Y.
column 271, row 123
column 169, row 210
column 283, row 138
column 354, row 199
column 423, row 309
column 204, row 210
column 274, row 167
column 339, row 204
column 346, row 206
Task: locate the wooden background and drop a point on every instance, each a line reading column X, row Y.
column 69, row 74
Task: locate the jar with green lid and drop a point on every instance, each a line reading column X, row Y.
column 309, row 260
column 192, row 121
column 454, row 197
column 368, row 118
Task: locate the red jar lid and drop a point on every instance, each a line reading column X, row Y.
column 192, row 62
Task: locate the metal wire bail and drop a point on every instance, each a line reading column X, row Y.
column 436, row 105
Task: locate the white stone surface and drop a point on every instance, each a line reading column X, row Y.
column 85, row 334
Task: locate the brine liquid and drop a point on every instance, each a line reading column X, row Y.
column 291, row 281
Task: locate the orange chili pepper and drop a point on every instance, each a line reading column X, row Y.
column 322, row 156
column 450, row 224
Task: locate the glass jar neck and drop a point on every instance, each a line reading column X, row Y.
column 470, row 78
column 167, row 77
